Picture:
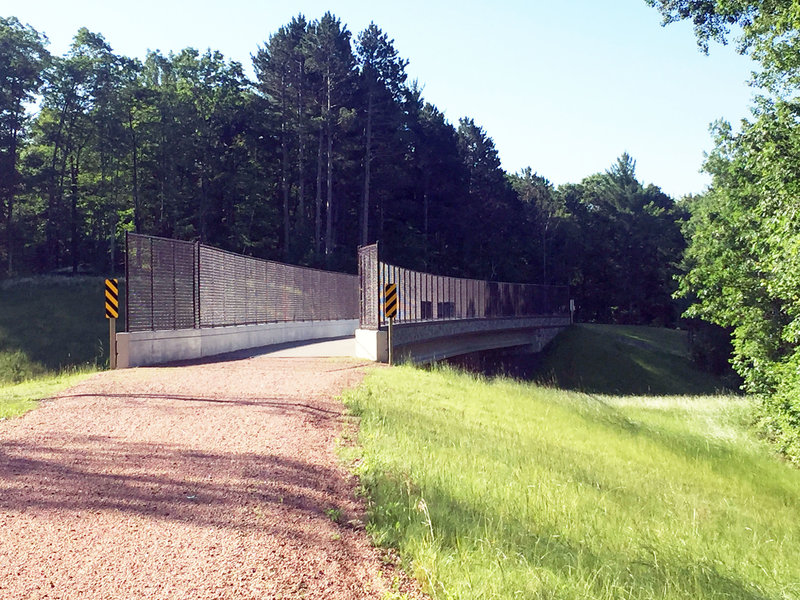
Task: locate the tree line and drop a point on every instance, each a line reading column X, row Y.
column 327, row 148
column 741, row 269
column 330, row 146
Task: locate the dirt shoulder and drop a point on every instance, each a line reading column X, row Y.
column 208, row 481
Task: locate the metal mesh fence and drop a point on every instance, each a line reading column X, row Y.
column 180, row 285
column 427, row 297
column 162, row 283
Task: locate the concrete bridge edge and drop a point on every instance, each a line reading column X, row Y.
column 374, row 344
column 146, row 348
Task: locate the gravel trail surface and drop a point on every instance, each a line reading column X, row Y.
column 207, row 481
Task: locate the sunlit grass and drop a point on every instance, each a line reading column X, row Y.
column 494, row 489
column 17, row 399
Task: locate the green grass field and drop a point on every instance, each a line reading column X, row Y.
column 52, row 333
column 620, row 359
column 17, row 399
column 51, row 324
column 500, row 489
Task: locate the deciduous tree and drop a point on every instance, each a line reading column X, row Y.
column 23, row 58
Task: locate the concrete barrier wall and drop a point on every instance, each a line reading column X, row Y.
column 143, row 348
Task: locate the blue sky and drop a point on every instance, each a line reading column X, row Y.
column 563, row 87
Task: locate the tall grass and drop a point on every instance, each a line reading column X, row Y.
column 53, row 332
column 49, row 324
column 496, row 489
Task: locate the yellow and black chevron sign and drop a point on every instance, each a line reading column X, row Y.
column 390, row 300
column 112, row 299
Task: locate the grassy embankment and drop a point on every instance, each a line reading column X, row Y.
column 620, row 359
column 497, row 489
column 52, row 332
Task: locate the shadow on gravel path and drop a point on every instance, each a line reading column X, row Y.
column 207, row 481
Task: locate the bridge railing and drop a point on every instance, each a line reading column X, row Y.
column 187, row 285
column 427, row 297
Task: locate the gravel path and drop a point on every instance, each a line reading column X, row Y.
column 214, row 480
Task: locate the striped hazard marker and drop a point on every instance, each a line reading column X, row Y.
column 390, row 300
column 112, row 299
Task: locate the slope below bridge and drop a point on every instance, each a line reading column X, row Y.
column 187, row 301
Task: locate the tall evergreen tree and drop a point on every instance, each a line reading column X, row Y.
column 281, row 70
column 331, row 60
column 382, row 78
column 439, row 185
column 629, row 247
column 544, row 212
column 492, row 211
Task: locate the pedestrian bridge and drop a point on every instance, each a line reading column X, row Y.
column 187, row 301
column 439, row 317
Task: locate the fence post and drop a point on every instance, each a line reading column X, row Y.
column 127, row 283
column 174, row 292
column 197, row 316
column 152, row 291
